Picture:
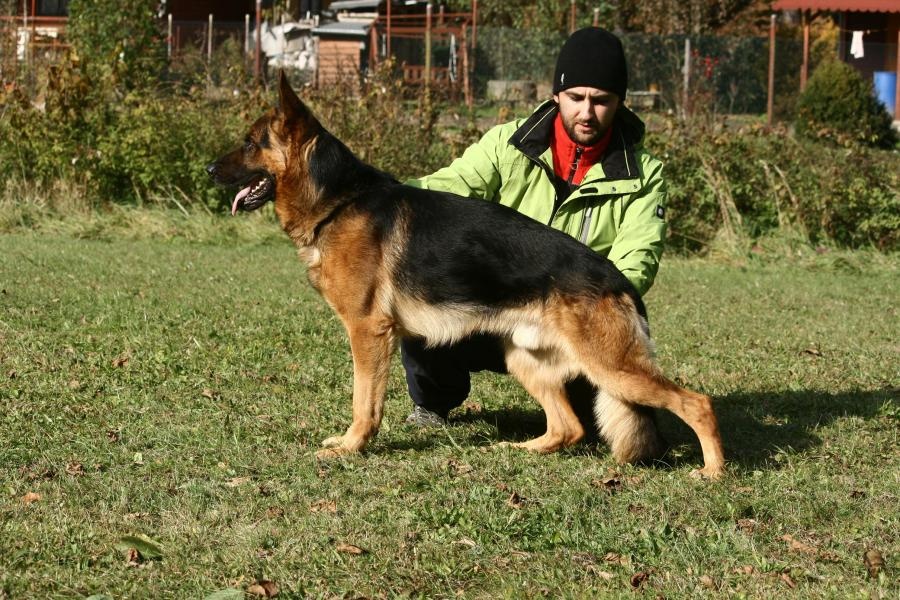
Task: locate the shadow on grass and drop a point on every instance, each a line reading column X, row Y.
column 755, row 427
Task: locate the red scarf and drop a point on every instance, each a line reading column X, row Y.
column 564, row 150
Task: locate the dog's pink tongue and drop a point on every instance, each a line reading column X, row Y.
column 240, row 196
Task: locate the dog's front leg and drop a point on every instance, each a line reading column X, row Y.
column 372, row 343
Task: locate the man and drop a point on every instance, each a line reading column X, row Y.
column 576, row 164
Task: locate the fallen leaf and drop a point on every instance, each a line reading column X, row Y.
column 610, row 485
column 208, row 393
column 237, row 481
column 515, row 500
column 812, row 352
column 75, row 469
column 31, row 497
column 638, row 579
column 326, row 506
column 745, row 570
column 708, row 582
column 788, row 581
column 12, row 374
column 147, row 549
column 274, row 512
column 112, row 435
column 456, row 468
column 874, row 562
column 132, row 557
column 263, row 589
column 747, row 525
column 349, row 549
column 798, row 546
column 121, row 361
column 857, row 494
column 612, row 557
column 472, row 408
column 138, row 458
column 467, row 542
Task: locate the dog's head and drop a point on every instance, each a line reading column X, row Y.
column 275, row 141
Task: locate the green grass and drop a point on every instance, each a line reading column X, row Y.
column 178, row 390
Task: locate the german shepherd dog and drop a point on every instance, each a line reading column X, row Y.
column 395, row 261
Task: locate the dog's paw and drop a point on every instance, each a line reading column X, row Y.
column 329, row 453
column 708, row 474
column 334, row 441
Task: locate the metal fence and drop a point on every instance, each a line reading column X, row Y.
column 666, row 72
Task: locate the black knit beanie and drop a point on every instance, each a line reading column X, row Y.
column 592, row 57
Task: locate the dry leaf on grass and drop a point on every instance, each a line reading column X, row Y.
column 708, row 582
column 786, row 578
column 515, row 500
column 121, row 361
column 610, row 485
column 614, row 558
column 325, row 506
column 747, row 525
column 237, row 481
column 874, row 562
column 456, row 468
column 639, row 578
column 798, row 546
column 75, row 469
column 263, row 589
column 349, row 549
column 30, row 497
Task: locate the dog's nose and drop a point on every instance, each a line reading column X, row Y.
column 211, row 169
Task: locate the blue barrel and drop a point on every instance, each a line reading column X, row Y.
column 886, row 89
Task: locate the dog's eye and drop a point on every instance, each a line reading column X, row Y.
column 249, row 146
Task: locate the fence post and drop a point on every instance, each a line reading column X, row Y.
column 770, row 105
column 572, row 16
column 246, row 36
column 427, row 45
column 388, row 45
column 465, row 58
column 686, row 93
column 209, row 41
column 804, row 68
column 169, row 38
column 256, row 67
column 596, row 17
column 897, row 85
column 474, row 36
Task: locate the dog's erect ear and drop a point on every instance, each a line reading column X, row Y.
column 290, row 106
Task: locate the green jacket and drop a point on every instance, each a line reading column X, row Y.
column 618, row 210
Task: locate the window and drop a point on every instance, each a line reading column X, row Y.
column 52, row 8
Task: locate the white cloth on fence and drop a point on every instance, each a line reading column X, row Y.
column 856, row 45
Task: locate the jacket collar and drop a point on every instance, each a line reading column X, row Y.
column 619, row 162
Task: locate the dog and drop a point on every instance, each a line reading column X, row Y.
column 393, row 261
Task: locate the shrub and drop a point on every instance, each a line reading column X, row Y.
column 753, row 182
column 839, row 105
column 118, row 39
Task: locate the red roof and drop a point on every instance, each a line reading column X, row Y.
column 889, row 6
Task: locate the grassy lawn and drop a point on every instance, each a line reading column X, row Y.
column 178, row 391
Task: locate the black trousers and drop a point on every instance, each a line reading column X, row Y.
column 439, row 378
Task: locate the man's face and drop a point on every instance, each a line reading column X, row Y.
column 587, row 113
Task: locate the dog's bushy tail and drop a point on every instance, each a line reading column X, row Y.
column 629, row 429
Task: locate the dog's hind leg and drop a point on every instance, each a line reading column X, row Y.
column 372, row 342
column 608, row 339
column 544, row 377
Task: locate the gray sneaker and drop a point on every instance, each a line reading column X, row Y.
column 422, row 417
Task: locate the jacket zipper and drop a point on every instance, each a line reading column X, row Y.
column 572, row 170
